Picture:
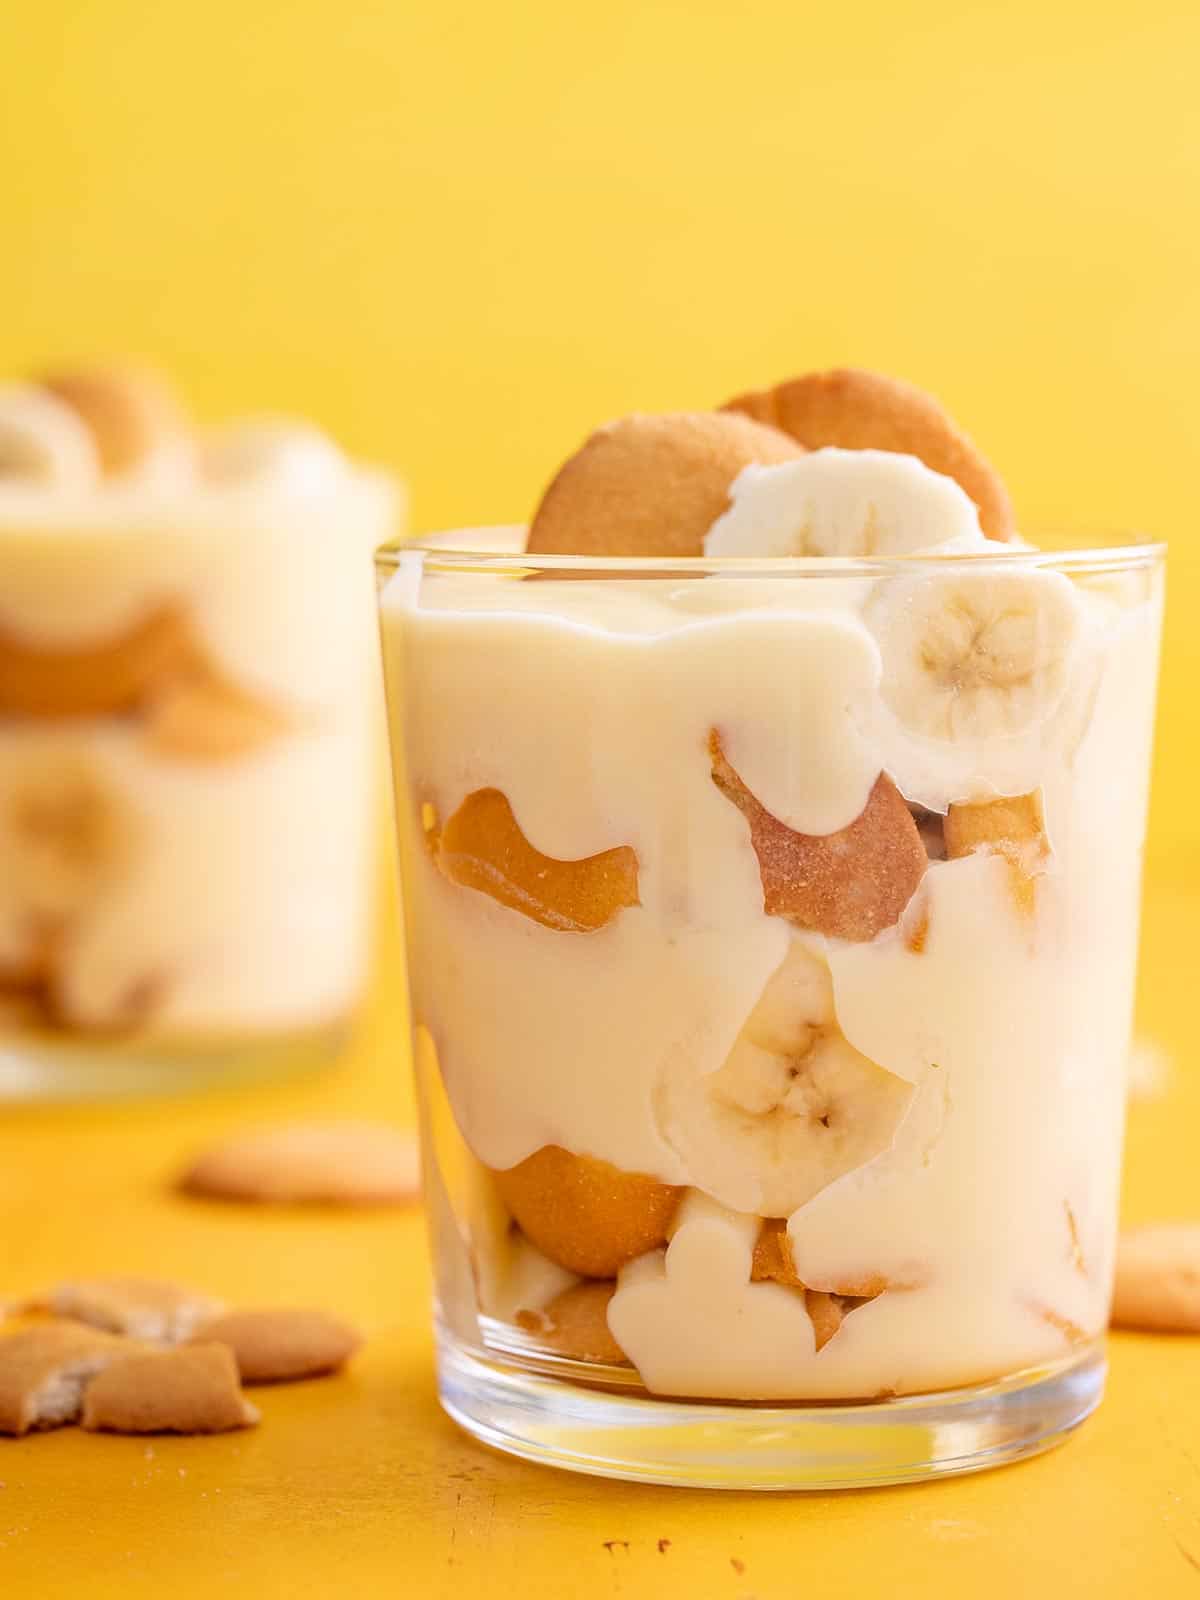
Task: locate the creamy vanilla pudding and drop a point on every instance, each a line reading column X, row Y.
column 187, row 688
column 773, row 916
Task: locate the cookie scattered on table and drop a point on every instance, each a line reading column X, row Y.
column 140, row 1308
column 340, row 1163
column 272, row 1346
column 1158, row 1278
column 45, row 1369
column 190, row 1389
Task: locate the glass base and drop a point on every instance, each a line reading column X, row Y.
column 762, row 1446
column 43, row 1068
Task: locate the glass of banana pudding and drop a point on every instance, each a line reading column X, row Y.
column 188, row 673
column 771, row 819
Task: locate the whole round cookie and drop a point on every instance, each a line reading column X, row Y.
column 651, row 485
column 860, row 410
column 585, row 1214
column 337, row 1163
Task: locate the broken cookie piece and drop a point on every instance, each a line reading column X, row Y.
column 1013, row 827
column 482, row 847
column 44, row 1370
column 190, row 1389
column 853, row 883
column 575, row 1324
column 139, row 1308
column 273, row 1346
column 773, row 1261
column 115, row 675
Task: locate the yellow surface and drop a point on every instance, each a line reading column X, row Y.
column 357, row 1486
column 460, row 234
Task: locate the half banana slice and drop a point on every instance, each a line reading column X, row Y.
column 861, row 503
column 975, row 655
column 793, row 1106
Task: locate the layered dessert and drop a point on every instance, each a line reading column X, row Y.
column 187, row 679
column 771, row 819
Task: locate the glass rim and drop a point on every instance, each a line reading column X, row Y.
column 438, row 553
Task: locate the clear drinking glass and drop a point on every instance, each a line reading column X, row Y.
column 188, row 688
column 772, row 938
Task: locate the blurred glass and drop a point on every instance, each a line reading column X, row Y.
column 188, row 742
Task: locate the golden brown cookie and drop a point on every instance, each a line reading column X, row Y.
column 131, row 412
column 482, row 847
column 139, row 1308
column 98, row 679
column 337, row 1163
column 773, row 1263
column 826, row 1312
column 1012, row 827
column 278, row 1346
column 575, row 1324
column 43, row 444
column 189, row 1389
column 859, row 410
column 588, row 1216
column 44, row 1370
column 1158, row 1278
column 850, row 884
column 651, row 485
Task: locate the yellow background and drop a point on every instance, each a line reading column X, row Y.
column 462, row 231
column 460, row 234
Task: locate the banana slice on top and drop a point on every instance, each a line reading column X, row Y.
column 832, row 502
column 975, row 655
column 44, row 444
column 793, row 1106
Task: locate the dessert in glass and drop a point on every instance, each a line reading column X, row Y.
column 188, row 671
column 771, row 820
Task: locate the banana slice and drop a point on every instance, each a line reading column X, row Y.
column 43, row 443
column 973, row 656
column 793, row 1106
column 862, row 503
column 273, row 451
